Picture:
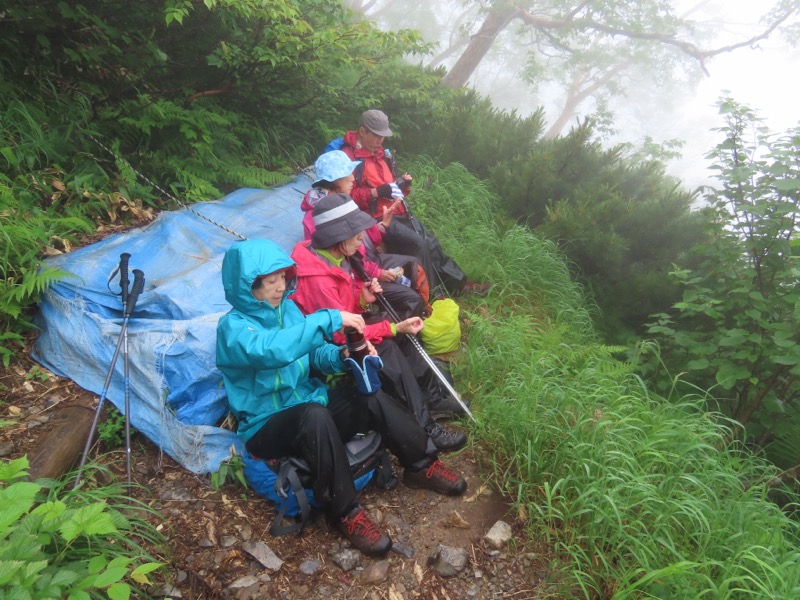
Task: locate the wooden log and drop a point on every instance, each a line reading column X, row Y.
column 59, row 450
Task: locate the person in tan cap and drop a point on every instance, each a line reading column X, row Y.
column 378, row 185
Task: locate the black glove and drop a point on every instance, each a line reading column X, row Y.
column 384, row 191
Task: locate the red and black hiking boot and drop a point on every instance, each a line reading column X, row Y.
column 436, row 477
column 364, row 534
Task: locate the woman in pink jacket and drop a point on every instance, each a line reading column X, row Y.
column 334, row 171
column 325, row 279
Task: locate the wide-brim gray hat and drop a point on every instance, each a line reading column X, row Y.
column 377, row 122
column 336, row 219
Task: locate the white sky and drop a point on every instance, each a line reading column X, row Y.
column 767, row 79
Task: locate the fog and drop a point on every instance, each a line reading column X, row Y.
column 763, row 77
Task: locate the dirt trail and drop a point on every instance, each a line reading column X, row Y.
column 208, row 531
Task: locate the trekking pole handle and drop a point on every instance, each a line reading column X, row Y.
column 123, row 276
column 138, row 286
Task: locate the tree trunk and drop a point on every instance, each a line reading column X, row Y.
column 496, row 20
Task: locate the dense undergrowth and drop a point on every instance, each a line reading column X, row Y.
column 638, row 496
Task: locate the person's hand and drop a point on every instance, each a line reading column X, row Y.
column 375, row 286
column 383, row 191
column 388, row 213
column 367, row 296
column 352, row 320
column 371, row 348
column 404, row 181
column 411, row 326
column 387, row 275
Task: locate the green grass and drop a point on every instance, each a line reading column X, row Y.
column 637, row 496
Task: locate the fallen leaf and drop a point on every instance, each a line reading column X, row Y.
column 418, row 572
column 394, row 594
column 211, row 532
column 484, row 489
column 456, row 520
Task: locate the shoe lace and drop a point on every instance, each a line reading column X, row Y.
column 437, row 469
column 362, row 525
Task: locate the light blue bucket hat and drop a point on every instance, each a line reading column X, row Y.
column 333, row 165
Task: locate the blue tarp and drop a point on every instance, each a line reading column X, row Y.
column 176, row 394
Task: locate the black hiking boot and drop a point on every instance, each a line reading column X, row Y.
column 436, row 477
column 446, row 408
column 446, row 440
column 364, row 534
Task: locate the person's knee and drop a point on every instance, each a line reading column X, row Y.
column 316, row 416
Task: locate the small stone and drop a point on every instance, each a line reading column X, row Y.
column 245, row 532
column 181, row 577
column 347, row 560
column 498, row 535
column 226, row 541
column 448, row 561
column 14, row 411
column 170, row 591
column 6, row 449
column 263, row 554
column 310, row 567
column 175, row 490
column 243, row 582
column 478, row 574
column 403, row 549
column 376, row 572
column 205, row 543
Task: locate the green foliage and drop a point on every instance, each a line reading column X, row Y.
column 76, row 544
column 638, row 496
column 112, row 430
column 736, row 330
column 232, row 469
column 201, row 97
column 620, row 221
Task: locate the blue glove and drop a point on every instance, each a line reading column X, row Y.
column 366, row 376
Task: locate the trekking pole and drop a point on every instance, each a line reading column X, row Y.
column 129, row 302
column 359, row 268
column 138, row 284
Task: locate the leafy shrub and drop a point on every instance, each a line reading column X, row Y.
column 735, row 331
column 76, row 544
column 638, row 496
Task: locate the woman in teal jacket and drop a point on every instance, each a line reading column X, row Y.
column 266, row 350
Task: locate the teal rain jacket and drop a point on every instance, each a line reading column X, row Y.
column 264, row 353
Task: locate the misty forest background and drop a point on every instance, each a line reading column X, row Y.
column 637, row 366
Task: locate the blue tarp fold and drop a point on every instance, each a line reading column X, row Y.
column 176, row 393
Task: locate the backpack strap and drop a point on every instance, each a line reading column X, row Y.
column 288, row 479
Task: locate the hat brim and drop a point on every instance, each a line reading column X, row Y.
column 341, row 229
column 340, row 173
column 383, row 132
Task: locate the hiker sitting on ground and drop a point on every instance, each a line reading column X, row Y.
column 265, row 350
column 326, row 279
column 377, row 185
column 334, row 171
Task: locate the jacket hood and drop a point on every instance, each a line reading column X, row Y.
column 351, row 139
column 243, row 262
column 311, row 198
